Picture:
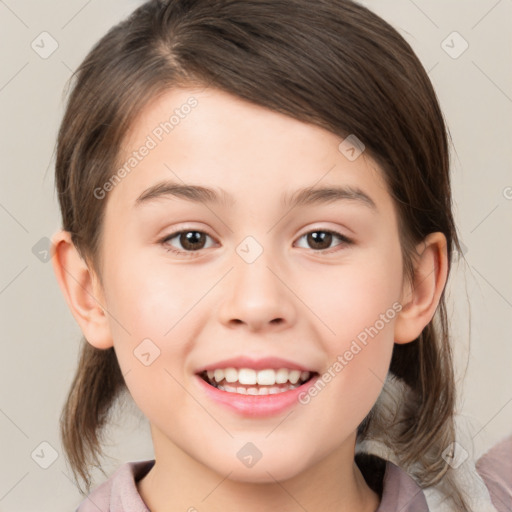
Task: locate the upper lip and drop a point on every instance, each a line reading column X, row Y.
column 256, row 364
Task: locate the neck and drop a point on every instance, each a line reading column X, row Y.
column 179, row 482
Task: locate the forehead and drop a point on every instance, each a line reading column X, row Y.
column 211, row 138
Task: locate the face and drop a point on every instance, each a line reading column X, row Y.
column 253, row 275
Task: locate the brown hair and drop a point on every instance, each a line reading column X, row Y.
column 332, row 63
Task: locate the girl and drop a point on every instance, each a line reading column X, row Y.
column 297, row 358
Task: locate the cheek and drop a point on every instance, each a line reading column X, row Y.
column 147, row 318
column 154, row 319
column 150, row 300
column 351, row 383
column 359, row 314
column 353, row 297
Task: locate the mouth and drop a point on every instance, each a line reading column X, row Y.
column 248, row 381
column 255, row 388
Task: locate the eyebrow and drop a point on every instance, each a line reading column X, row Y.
column 307, row 196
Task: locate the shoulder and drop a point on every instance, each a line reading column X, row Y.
column 495, row 469
column 119, row 493
column 398, row 491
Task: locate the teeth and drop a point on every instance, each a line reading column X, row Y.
column 281, row 376
column 255, row 391
column 231, row 375
column 250, row 377
column 246, row 376
column 294, row 376
column 266, row 377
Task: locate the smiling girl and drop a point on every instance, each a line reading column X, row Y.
column 257, row 234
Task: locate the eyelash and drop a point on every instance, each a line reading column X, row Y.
column 344, row 241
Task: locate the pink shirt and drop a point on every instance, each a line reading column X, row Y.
column 119, row 493
column 400, row 493
column 495, row 468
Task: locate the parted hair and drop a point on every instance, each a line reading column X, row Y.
column 332, row 63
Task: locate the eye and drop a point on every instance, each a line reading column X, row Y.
column 191, row 240
column 321, row 239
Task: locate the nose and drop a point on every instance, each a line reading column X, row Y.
column 257, row 295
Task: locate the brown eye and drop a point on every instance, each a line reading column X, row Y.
column 320, row 240
column 190, row 241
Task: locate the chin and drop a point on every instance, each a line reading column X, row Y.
column 265, row 470
column 267, row 475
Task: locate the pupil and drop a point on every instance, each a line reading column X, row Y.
column 190, row 238
column 317, row 237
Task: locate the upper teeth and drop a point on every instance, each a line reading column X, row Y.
column 267, row 377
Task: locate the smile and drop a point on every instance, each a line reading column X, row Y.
column 255, row 387
column 247, row 381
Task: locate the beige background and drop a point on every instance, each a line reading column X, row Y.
column 39, row 336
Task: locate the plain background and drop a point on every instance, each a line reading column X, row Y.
column 40, row 338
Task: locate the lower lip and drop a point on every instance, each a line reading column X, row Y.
column 256, row 406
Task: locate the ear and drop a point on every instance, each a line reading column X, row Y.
column 82, row 290
column 420, row 297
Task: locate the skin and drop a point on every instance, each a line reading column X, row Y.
column 297, row 300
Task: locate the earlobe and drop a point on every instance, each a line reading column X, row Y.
column 82, row 291
column 421, row 297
